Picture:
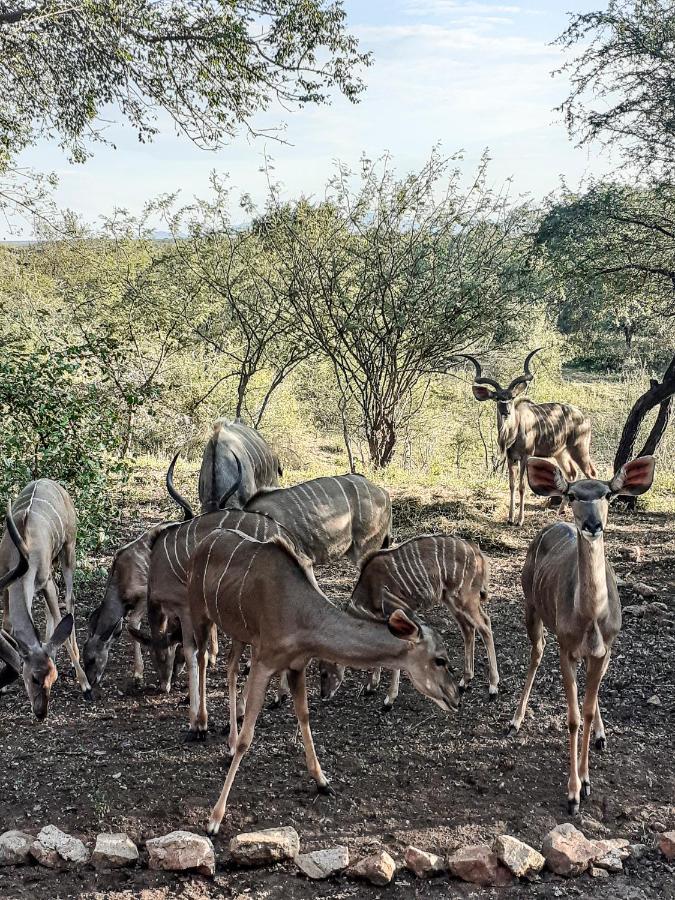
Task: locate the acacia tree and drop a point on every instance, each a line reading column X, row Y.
column 622, row 80
column 208, row 64
column 389, row 279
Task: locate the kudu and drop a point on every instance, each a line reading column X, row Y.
column 570, row 589
column 42, row 526
column 418, row 575
column 237, row 454
column 534, row 429
column 330, row 517
column 125, row 598
column 168, row 607
column 261, row 594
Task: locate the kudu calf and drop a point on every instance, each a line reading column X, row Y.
column 41, row 527
column 417, row 575
column 534, row 429
column 570, row 589
column 261, row 594
column 235, row 454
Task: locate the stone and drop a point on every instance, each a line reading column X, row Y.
column 323, row 863
column 635, row 609
column 180, row 850
column 15, row 847
column 644, row 590
column 479, row 865
column 519, row 858
column 656, row 825
column 114, row 851
column 258, row 848
column 654, row 700
column 667, row 844
column 567, row 851
column 611, row 863
column 57, row 850
column 422, row 863
column 638, row 851
column 378, row 868
column 594, row 872
column 618, row 847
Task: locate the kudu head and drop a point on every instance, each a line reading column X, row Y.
column 23, row 652
column 427, row 662
column 589, row 497
column 331, row 676
column 98, row 644
column 489, row 389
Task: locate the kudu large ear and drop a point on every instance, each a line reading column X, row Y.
column 139, row 636
column 518, row 388
column 114, row 630
column 403, row 627
column 60, row 635
column 545, row 478
column 634, row 478
column 481, row 392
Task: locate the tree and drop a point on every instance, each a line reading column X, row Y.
column 611, row 255
column 623, row 80
column 389, row 279
column 208, row 64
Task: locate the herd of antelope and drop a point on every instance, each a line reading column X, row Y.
column 244, row 566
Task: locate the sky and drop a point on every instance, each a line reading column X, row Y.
column 463, row 74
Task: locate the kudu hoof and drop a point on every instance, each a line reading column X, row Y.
column 585, row 790
column 492, row 696
column 325, row 789
column 88, row 695
column 387, row 707
column 194, row 737
column 600, row 744
column 512, row 730
column 573, row 807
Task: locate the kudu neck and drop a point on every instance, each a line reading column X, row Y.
column 341, row 638
column 592, row 595
column 507, row 428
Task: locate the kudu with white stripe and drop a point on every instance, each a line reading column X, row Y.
column 168, row 607
column 41, row 527
column 125, row 598
column 330, row 517
column 570, row 589
column 235, row 454
column 261, row 594
column 417, row 575
column 554, row 430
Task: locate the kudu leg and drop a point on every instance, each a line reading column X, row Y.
column 284, row 691
column 392, row 693
column 258, row 682
column 521, row 490
column 484, row 625
column 298, row 687
column 568, row 667
column 52, row 599
column 373, row 681
column 196, row 680
column 513, row 466
column 236, row 650
column 469, row 637
column 213, row 646
column 595, row 671
column 535, row 631
column 134, row 619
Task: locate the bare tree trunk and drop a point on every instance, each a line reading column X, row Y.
column 345, row 435
column 657, row 395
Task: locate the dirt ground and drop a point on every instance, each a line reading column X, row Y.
column 411, row 775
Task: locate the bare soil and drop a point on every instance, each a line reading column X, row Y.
column 411, row 775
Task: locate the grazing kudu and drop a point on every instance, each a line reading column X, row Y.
column 570, row 589
column 168, row 606
column 330, row 517
column 261, row 594
column 125, row 598
column 534, row 429
column 417, row 575
column 237, row 454
column 43, row 528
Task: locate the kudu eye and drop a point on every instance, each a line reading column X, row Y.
column 440, row 661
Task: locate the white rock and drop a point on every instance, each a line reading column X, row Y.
column 567, row 851
column 114, row 850
column 644, row 590
column 15, row 848
column 181, row 850
column 57, row 850
column 597, row 873
column 654, row 700
column 255, row 848
column 521, row 859
column 610, row 863
column 378, row 868
column 422, row 863
column 323, row 863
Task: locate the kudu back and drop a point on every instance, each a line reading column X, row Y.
column 570, row 589
column 525, row 428
column 41, row 527
column 261, row 594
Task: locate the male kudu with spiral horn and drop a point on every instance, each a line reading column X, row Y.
column 553, row 430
